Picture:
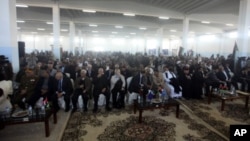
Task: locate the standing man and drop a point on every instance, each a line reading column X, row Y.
column 62, row 88
column 100, row 87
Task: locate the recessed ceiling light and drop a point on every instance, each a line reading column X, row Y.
column 128, row 14
column 93, row 25
column 41, row 29
column 132, row 33
column 89, row 11
column 118, row 26
column 229, row 24
column 95, row 31
column 172, row 30
column 205, row 22
column 142, row 28
column 49, row 22
column 64, row 30
column 22, row 5
column 114, row 32
column 19, row 21
column 163, row 18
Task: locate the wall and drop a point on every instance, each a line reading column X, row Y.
column 205, row 45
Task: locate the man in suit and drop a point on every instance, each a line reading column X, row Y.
column 223, row 76
column 82, row 87
column 43, row 88
column 62, row 88
column 100, row 87
column 138, row 84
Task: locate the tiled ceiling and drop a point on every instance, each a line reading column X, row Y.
column 110, row 13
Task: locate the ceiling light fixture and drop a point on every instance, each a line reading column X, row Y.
column 142, row 28
column 22, row 5
column 172, row 30
column 129, row 14
column 19, row 21
column 89, row 11
column 93, row 25
column 118, row 26
column 163, row 18
column 41, row 29
column 205, row 22
column 229, row 24
column 64, row 30
column 49, row 22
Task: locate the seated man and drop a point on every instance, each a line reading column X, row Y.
column 82, row 87
column 172, row 85
column 138, row 85
column 100, row 87
column 26, row 88
column 62, row 88
column 212, row 79
column 44, row 87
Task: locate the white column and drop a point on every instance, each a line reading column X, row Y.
column 80, row 41
column 8, row 33
column 185, row 34
column 243, row 24
column 72, row 37
column 160, row 40
column 56, row 31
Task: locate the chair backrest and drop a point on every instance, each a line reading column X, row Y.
column 73, row 83
column 128, row 81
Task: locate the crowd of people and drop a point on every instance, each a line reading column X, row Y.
column 117, row 75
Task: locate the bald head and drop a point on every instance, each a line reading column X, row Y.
column 59, row 75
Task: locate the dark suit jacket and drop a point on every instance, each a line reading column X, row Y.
column 87, row 84
column 100, row 83
column 221, row 76
column 66, row 86
column 135, row 83
column 40, row 84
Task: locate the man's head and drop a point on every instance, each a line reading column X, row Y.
column 83, row 73
column 100, row 71
column 59, row 75
column 29, row 72
column 117, row 71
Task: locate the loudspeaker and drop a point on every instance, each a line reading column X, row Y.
column 21, row 49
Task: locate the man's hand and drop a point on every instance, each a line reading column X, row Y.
column 103, row 90
column 59, row 94
column 23, row 91
column 43, row 91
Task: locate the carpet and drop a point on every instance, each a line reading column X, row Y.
column 122, row 125
column 234, row 113
column 36, row 131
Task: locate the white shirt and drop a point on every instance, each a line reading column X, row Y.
column 114, row 79
column 169, row 74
